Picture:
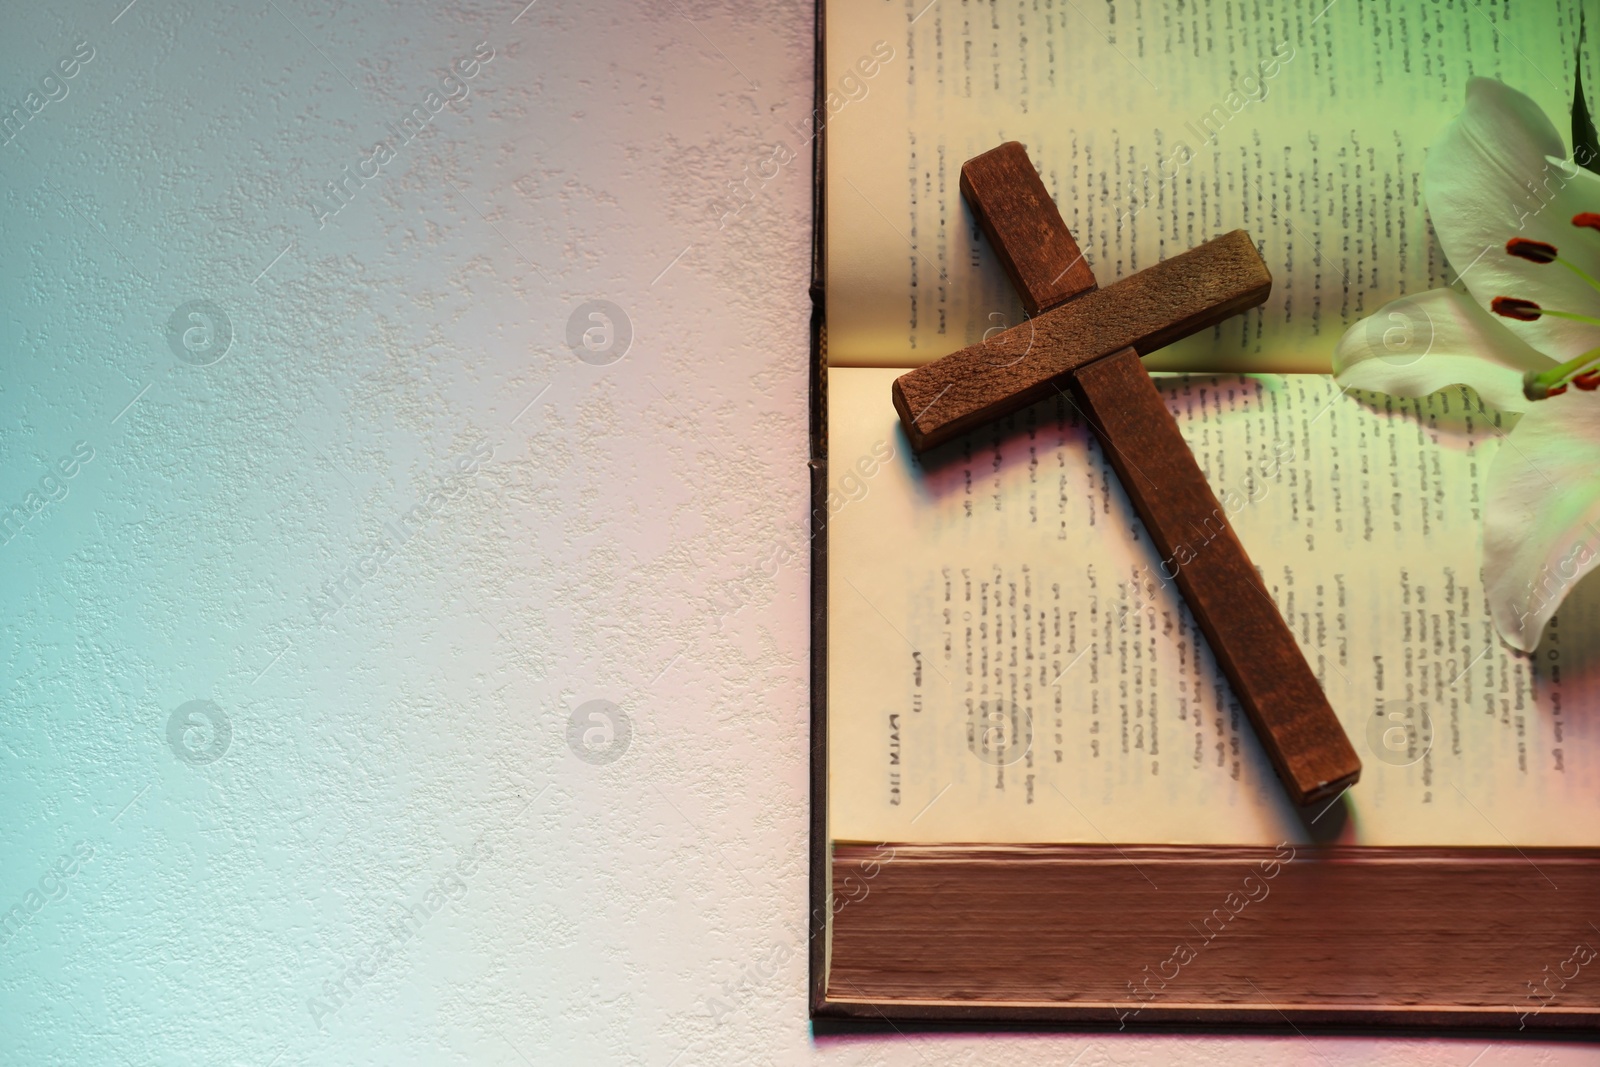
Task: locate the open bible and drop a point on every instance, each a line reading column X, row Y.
column 1037, row 798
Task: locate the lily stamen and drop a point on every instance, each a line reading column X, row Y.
column 1513, row 307
column 1580, row 371
column 1536, row 251
column 1544, row 252
column 1534, row 388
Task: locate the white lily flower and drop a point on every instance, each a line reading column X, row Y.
column 1519, row 220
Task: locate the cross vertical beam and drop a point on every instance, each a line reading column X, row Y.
column 1199, row 549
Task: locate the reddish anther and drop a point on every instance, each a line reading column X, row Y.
column 1515, row 308
column 1536, row 251
column 1588, row 381
column 1590, row 219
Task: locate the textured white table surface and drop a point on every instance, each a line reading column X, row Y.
column 372, row 840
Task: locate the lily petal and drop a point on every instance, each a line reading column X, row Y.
column 1498, row 171
column 1429, row 341
column 1541, row 530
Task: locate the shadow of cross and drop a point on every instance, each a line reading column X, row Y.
column 1090, row 339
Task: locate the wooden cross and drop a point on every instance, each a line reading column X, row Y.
column 1090, row 339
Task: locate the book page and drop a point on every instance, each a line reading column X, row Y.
column 1156, row 128
column 1009, row 660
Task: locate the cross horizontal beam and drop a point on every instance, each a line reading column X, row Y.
column 1024, row 364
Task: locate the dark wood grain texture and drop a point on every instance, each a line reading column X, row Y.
column 1018, row 366
column 1145, row 935
column 1193, row 533
column 1024, row 228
